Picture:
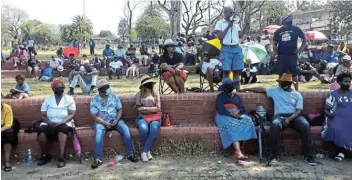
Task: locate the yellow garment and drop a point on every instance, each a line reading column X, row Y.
column 344, row 49
column 6, row 116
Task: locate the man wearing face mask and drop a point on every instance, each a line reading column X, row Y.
column 106, row 110
column 231, row 53
column 288, row 106
column 285, row 47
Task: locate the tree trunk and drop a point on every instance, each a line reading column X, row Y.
column 175, row 17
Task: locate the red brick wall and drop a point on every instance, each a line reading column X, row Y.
column 193, row 116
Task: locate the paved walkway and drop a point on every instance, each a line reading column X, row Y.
column 216, row 167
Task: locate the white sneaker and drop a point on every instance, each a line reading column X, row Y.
column 150, row 157
column 144, row 157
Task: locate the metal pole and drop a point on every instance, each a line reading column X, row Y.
column 209, row 14
column 84, row 7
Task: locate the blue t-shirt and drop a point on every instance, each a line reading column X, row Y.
column 106, row 109
column 107, row 52
column 120, row 53
column 286, row 38
column 330, row 57
column 285, row 102
column 47, row 71
column 24, row 87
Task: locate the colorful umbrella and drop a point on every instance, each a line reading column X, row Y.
column 212, row 46
column 315, row 35
column 271, row 28
column 255, row 52
column 71, row 50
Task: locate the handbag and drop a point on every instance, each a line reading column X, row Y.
column 166, row 120
column 152, row 117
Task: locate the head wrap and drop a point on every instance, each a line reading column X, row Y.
column 55, row 82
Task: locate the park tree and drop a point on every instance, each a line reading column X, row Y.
column 272, row 12
column 105, row 33
column 129, row 12
column 122, row 29
column 82, row 28
column 173, row 10
column 246, row 11
column 11, row 20
column 40, row 32
column 193, row 15
column 341, row 23
column 66, row 33
column 151, row 25
column 28, row 27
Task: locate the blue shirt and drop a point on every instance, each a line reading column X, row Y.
column 106, row 109
column 232, row 35
column 285, row 102
column 120, row 53
column 286, row 38
column 47, row 71
column 224, row 98
column 24, row 87
column 330, row 57
column 107, row 52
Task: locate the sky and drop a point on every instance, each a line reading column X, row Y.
column 104, row 14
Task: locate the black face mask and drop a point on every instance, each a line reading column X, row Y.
column 228, row 88
column 59, row 91
column 149, row 85
column 286, row 85
column 288, row 23
column 344, row 87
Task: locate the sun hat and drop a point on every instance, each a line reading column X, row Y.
column 169, row 42
column 145, row 80
column 60, row 68
column 228, row 81
column 102, row 83
column 346, row 58
column 330, row 45
column 303, row 55
column 285, row 78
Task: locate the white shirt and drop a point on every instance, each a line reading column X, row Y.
column 56, row 63
column 30, row 43
column 57, row 113
column 212, row 63
column 160, row 41
column 116, row 65
column 232, row 36
column 84, row 61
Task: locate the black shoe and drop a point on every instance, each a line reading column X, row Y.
column 96, row 163
column 310, row 160
column 70, row 93
column 133, row 158
column 61, row 163
column 274, row 159
column 43, row 160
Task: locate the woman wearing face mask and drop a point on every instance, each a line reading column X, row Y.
column 58, row 111
column 149, row 119
column 338, row 125
column 232, row 122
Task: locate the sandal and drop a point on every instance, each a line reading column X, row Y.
column 339, row 157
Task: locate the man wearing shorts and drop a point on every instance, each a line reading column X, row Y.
column 285, row 46
column 231, row 53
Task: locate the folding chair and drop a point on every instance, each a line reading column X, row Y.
column 163, row 87
column 216, row 81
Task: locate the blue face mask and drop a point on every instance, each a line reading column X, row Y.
column 108, row 92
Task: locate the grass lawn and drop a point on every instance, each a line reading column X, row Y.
column 128, row 86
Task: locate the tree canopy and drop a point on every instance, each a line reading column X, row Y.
column 151, row 25
column 40, row 32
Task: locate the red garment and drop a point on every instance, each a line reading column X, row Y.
column 166, row 75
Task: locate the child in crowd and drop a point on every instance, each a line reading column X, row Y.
column 85, row 60
column 97, row 62
column 249, row 74
column 21, row 90
column 133, row 70
column 152, row 70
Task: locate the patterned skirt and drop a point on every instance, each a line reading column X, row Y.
column 233, row 129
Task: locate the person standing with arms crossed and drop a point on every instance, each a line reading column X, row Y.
column 285, row 47
column 230, row 53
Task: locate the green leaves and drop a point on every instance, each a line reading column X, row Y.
column 151, row 25
column 81, row 29
column 341, row 23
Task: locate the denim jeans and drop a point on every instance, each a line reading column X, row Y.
column 124, row 131
column 300, row 124
column 148, row 133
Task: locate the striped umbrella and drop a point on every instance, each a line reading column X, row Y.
column 315, row 35
column 253, row 51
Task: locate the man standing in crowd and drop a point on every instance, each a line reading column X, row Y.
column 30, row 46
column 91, row 46
column 160, row 43
column 285, row 46
column 231, row 53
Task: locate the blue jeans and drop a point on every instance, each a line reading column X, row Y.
column 309, row 76
column 300, row 124
column 231, row 58
column 124, row 131
column 148, row 133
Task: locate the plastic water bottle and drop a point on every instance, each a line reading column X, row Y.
column 29, row 159
column 114, row 160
